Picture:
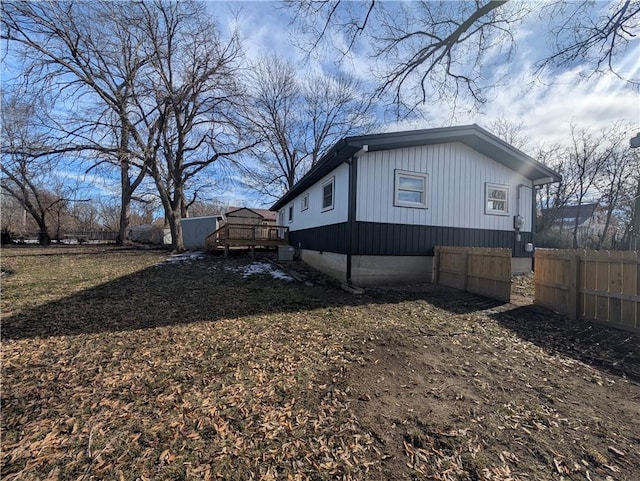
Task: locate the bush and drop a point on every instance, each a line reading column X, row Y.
column 552, row 240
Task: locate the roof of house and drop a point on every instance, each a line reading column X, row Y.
column 266, row 214
column 473, row 136
column 583, row 212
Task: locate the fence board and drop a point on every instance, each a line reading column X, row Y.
column 602, row 285
column 552, row 280
column 483, row 271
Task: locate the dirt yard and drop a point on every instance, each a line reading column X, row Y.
column 117, row 364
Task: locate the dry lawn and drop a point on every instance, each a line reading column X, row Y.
column 117, row 365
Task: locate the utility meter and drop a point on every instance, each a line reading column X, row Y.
column 518, row 222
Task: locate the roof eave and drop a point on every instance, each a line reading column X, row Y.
column 472, row 135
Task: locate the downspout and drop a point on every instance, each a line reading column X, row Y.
column 518, row 221
column 534, row 225
column 351, row 209
column 537, row 184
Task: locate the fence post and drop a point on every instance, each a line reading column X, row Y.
column 436, row 265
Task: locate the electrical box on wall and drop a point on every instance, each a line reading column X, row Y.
column 518, row 222
column 528, row 247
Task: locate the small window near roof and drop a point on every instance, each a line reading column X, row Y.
column 291, row 213
column 304, row 204
column 328, row 194
column 410, row 189
column 497, row 199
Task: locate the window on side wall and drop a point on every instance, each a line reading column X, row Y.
column 290, row 216
column 328, row 191
column 410, row 189
column 496, row 199
column 304, row 204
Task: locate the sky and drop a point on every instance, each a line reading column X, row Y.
column 545, row 109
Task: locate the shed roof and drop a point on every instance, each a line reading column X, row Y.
column 473, row 136
column 266, row 214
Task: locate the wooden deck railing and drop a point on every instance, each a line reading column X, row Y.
column 248, row 235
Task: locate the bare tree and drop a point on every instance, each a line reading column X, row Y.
column 618, row 182
column 204, row 208
column 297, row 121
column 25, row 170
column 276, row 116
column 198, row 99
column 91, row 54
column 551, row 197
column 512, row 133
column 432, row 50
column 590, row 31
column 13, row 221
column 596, row 167
column 334, row 108
column 588, row 157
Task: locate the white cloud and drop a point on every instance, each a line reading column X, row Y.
column 545, row 108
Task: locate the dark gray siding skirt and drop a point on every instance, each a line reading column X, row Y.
column 376, row 239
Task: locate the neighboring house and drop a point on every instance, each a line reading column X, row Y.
column 196, row 229
column 373, row 208
column 591, row 222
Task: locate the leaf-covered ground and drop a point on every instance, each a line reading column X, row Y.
column 119, row 365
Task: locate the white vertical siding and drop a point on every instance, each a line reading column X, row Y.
column 313, row 216
column 455, row 190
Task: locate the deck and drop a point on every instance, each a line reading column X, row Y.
column 234, row 235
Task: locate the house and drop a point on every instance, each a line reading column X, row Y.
column 373, row 208
column 591, row 219
column 196, row 229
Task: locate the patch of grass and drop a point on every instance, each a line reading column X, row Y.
column 116, row 365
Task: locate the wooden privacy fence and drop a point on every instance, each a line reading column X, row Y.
column 596, row 285
column 481, row 270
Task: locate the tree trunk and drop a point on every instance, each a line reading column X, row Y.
column 172, row 203
column 124, row 237
column 126, row 192
column 574, row 233
column 173, row 217
column 44, row 238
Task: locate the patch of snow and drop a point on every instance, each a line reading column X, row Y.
column 261, row 268
column 186, row 257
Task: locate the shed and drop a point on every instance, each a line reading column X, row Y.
column 374, row 207
column 150, row 234
column 250, row 216
column 196, row 229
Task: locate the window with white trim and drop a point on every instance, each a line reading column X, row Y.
column 291, row 213
column 328, row 194
column 304, row 203
column 497, row 199
column 410, row 189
